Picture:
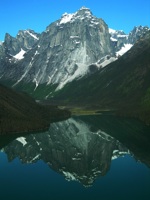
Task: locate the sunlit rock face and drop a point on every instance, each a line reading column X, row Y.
column 64, row 51
column 14, row 49
column 72, row 148
column 24, row 40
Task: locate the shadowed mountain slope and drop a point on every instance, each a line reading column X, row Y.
column 123, row 84
column 20, row 113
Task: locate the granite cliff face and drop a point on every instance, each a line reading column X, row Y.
column 70, row 45
column 12, row 50
column 75, row 45
column 24, row 40
column 64, row 51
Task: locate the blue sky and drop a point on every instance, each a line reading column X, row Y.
column 18, row 15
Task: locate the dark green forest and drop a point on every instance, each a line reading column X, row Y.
column 20, row 113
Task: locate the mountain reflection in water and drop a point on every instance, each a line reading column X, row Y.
column 82, row 148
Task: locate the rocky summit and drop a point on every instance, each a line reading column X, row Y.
column 75, row 45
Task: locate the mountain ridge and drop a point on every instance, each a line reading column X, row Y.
column 64, row 51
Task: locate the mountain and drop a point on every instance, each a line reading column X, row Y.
column 124, row 42
column 14, row 48
column 79, row 60
column 25, row 40
column 65, row 51
column 123, row 84
column 20, row 113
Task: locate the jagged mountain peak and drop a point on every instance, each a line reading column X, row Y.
column 7, row 36
column 123, row 42
column 84, row 10
column 139, row 28
column 82, row 14
column 114, row 32
column 24, row 41
column 28, row 32
column 69, row 46
column 22, row 33
column 137, row 33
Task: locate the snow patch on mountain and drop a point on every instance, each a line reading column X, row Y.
column 34, row 36
column 112, row 31
column 20, row 55
column 77, row 16
column 117, row 34
column 121, row 41
column 66, row 18
column 124, row 49
column 113, row 39
column 122, row 36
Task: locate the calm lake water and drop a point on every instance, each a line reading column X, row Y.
column 87, row 157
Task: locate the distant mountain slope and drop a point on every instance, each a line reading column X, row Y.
column 122, row 84
column 20, row 113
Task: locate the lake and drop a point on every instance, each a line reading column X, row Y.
column 85, row 157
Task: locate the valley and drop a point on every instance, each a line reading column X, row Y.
column 79, row 62
column 75, row 100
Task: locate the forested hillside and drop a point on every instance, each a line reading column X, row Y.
column 20, row 113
